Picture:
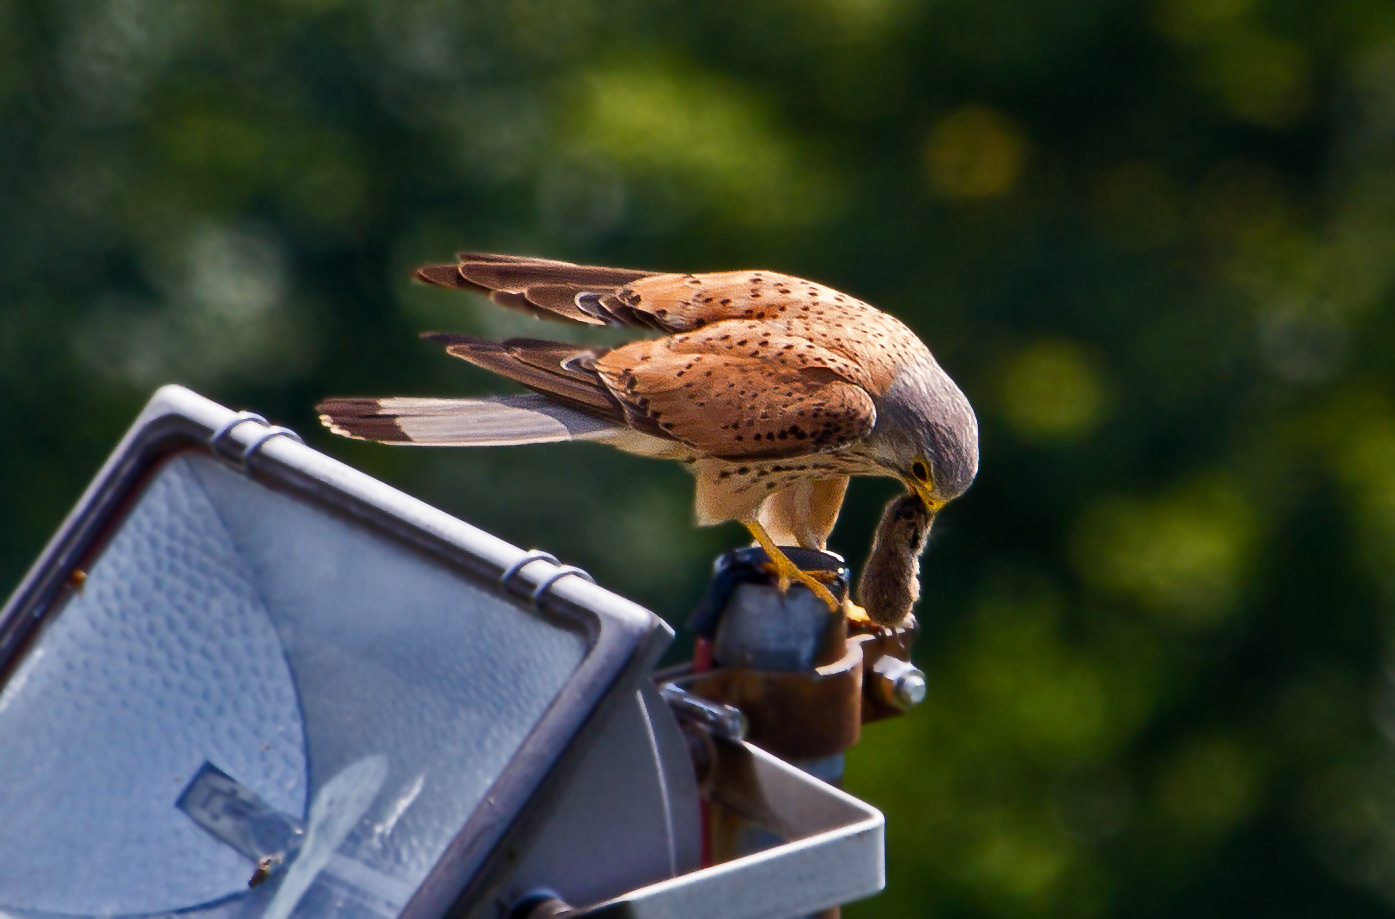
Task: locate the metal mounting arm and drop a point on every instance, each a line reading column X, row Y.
column 833, row 851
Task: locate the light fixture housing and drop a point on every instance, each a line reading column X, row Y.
column 240, row 661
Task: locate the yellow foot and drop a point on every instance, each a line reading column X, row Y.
column 787, row 571
column 810, row 579
column 856, row 615
column 823, row 577
column 858, row 618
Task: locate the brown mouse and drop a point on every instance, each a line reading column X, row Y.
column 890, row 582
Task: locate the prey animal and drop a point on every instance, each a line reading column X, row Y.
column 771, row 389
column 890, row 582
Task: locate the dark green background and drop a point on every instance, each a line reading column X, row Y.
column 1155, row 243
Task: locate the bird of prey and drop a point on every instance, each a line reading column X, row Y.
column 773, row 390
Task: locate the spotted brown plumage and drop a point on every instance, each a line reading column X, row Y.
column 772, row 389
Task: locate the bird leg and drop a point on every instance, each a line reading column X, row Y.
column 787, row 571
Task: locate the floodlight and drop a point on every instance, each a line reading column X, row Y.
column 245, row 680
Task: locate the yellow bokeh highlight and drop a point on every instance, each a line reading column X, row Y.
column 1357, row 437
column 975, row 153
column 1184, row 555
column 1018, row 866
column 1262, row 79
column 1209, row 787
column 1052, row 390
column 1198, row 20
column 865, row 18
column 711, row 140
column 1058, row 701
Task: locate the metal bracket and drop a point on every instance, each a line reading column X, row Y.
column 274, row 431
column 833, row 853
column 245, row 458
column 241, row 417
column 541, row 590
column 537, row 555
column 716, row 717
column 524, row 560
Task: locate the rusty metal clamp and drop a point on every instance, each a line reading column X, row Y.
column 794, row 714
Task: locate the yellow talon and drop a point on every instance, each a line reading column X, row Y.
column 787, row 571
column 856, row 615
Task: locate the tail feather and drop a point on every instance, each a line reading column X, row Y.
column 498, row 421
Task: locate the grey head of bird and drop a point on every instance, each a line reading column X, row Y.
column 926, row 433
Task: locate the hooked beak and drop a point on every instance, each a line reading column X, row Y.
column 931, row 504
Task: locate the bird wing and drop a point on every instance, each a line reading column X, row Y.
column 719, row 397
column 777, row 399
column 633, row 298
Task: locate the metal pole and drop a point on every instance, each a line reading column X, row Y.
column 761, row 635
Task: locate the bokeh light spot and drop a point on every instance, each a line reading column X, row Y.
column 710, row 137
column 1197, row 20
column 1262, row 79
column 865, row 18
column 975, row 153
column 1018, row 868
column 1052, row 390
column 1210, row 786
column 1360, row 444
column 1184, row 555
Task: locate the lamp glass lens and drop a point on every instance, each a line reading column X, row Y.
column 247, row 676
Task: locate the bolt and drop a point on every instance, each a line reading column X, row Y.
column 539, row 904
column 910, row 689
column 898, row 683
column 723, row 719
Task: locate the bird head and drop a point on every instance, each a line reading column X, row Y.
column 926, row 434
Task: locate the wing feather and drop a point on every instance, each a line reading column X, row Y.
column 565, row 372
column 498, row 421
column 540, row 287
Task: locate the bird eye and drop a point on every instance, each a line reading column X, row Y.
column 921, row 473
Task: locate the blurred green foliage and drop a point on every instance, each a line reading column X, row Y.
column 1154, row 241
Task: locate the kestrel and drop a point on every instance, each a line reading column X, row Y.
column 773, row 390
